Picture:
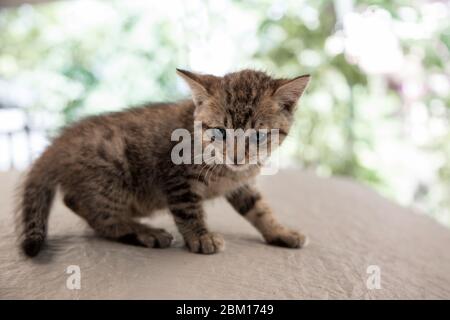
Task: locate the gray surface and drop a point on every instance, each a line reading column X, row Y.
column 350, row 228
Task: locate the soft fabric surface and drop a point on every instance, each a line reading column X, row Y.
column 350, row 228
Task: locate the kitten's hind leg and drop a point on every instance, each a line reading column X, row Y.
column 147, row 236
column 110, row 220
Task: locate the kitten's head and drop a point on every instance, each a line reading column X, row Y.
column 248, row 100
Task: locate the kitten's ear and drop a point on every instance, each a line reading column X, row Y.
column 289, row 91
column 199, row 84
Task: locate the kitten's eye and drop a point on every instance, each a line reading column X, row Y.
column 219, row 134
column 258, row 137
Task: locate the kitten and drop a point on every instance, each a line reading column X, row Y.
column 113, row 169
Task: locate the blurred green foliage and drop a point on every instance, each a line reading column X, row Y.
column 389, row 129
column 354, row 123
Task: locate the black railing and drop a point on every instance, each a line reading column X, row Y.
column 17, row 131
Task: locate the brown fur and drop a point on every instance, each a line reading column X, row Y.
column 115, row 168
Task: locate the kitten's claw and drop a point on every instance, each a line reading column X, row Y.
column 207, row 243
column 289, row 239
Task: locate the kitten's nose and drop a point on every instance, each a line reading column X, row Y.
column 236, row 152
column 239, row 158
column 239, row 154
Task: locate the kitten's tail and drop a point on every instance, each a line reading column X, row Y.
column 35, row 199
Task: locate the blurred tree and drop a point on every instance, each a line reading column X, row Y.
column 376, row 110
column 353, row 115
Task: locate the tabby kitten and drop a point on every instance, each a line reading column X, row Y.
column 113, row 169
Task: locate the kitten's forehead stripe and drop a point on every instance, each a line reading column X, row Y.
column 243, row 92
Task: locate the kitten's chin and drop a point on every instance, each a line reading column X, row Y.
column 238, row 167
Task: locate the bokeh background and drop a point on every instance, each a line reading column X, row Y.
column 377, row 109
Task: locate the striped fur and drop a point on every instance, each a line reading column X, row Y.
column 115, row 168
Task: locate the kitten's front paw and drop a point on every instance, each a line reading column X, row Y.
column 207, row 243
column 288, row 239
